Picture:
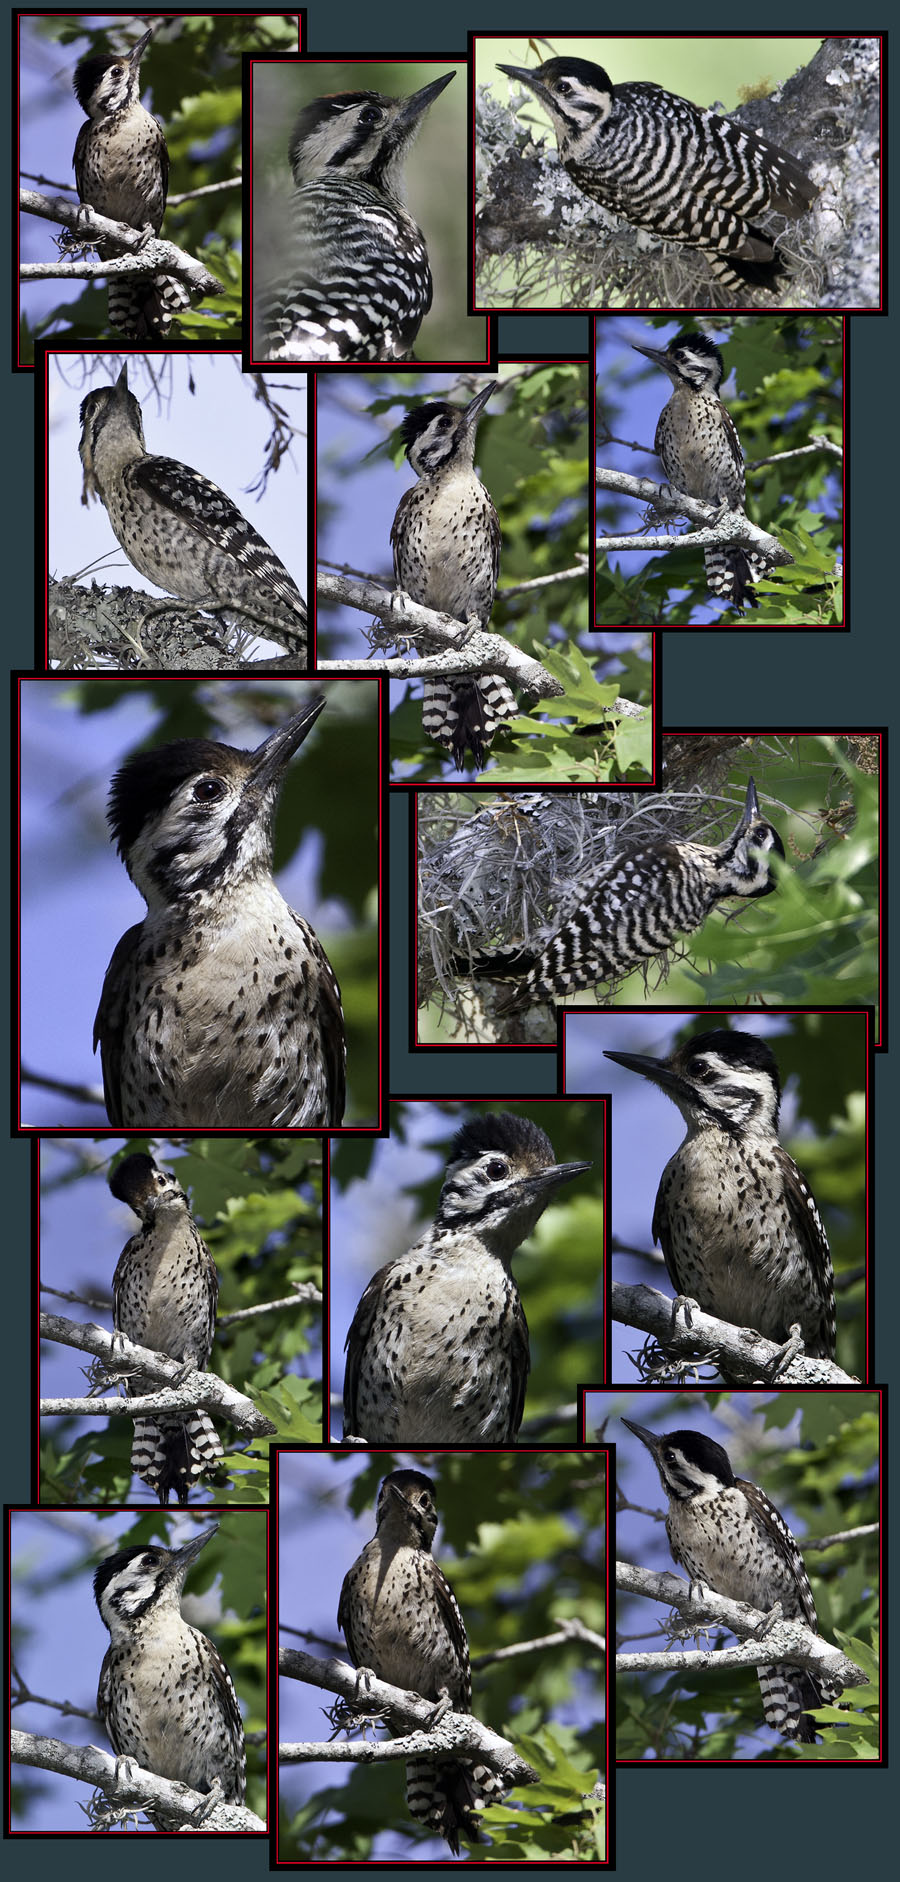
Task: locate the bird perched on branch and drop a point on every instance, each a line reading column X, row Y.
column 729, row 1537
column 735, row 1217
column 165, row 1290
column 446, row 542
column 672, row 168
column 221, row 1007
column 166, row 1697
column 178, row 528
column 402, row 1622
column 699, row 449
column 122, row 170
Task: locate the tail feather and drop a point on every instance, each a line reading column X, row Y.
column 144, row 310
column 445, row 1796
column 465, row 714
column 173, row 1453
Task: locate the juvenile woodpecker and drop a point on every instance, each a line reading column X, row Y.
column 178, row 528
column 122, row 170
column 166, row 1696
column 736, row 1219
column 729, row 1537
column 438, row 1349
column 165, row 1290
column 221, row 1007
column 446, row 542
column 402, row 1621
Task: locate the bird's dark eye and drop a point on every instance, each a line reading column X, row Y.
column 564, row 88
column 370, row 114
column 206, row 790
column 497, row 1167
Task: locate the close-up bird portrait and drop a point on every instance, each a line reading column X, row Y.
column 206, row 978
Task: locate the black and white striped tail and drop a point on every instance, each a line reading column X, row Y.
column 444, row 1796
column 786, row 1695
column 144, row 310
column 731, row 573
column 464, row 715
column 174, row 1453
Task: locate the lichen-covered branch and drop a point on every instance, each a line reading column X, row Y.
column 126, row 1785
column 740, row 1353
column 475, row 653
column 189, row 1392
column 790, row 1641
column 457, row 1732
column 140, row 256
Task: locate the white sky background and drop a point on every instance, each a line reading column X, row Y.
column 217, row 427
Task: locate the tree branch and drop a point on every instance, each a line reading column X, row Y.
column 733, row 527
column 482, row 653
column 567, row 1631
column 458, row 1732
column 141, row 255
column 124, row 1783
column 790, row 1641
column 743, row 1356
column 197, row 1390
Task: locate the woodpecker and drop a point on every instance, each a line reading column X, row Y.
column 352, row 280
column 179, row 529
column 700, row 452
column 221, row 1007
column 165, row 1290
column 122, row 170
column 634, row 907
column 165, row 1696
column 730, row 1538
column 446, row 542
column 671, row 168
column 402, row 1622
column 736, row 1220
column 438, row 1349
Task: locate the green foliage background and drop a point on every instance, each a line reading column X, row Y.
column 826, row 1483
column 533, row 458
column 235, row 1560
column 258, row 1203
column 523, row 1543
column 789, row 375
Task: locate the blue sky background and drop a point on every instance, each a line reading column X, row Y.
column 73, row 884
column 83, row 1232
column 60, row 1649
column 646, row 1129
